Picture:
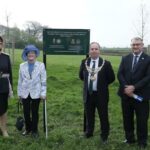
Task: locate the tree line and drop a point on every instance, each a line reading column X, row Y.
column 33, row 33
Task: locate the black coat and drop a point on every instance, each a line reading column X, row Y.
column 5, row 68
column 105, row 77
column 140, row 77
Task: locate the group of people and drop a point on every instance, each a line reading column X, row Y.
column 134, row 90
column 96, row 74
column 31, row 88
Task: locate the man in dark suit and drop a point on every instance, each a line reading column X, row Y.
column 134, row 78
column 97, row 74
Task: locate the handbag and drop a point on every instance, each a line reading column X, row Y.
column 20, row 120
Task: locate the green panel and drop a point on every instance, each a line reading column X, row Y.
column 66, row 41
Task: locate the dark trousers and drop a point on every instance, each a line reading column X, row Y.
column 31, row 106
column 93, row 102
column 141, row 110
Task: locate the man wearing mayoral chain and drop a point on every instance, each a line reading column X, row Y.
column 96, row 74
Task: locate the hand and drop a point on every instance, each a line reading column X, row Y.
column 11, row 95
column 129, row 89
column 20, row 99
column 43, row 98
column 130, row 94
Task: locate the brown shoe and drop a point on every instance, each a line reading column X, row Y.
column 5, row 134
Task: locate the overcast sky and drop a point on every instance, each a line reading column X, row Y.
column 112, row 22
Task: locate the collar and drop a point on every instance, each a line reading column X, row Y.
column 96, row 60
column 138, row 54
column 31, row 63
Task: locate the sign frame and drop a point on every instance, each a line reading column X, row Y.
column 66, row 41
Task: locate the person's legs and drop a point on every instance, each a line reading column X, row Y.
column 26, row 111
column 3, row 122
column 90, row 115
column 128, row 119
column 3, row 113
column 35, row 116
column 142, row 114
column 102, row 107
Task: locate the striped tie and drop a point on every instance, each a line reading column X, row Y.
column 91, row 81
column 135, row 62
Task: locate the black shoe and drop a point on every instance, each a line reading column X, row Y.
column 104, row 140
column 88, row 135
column 26, row 133
column 142, row 146
column 129, row 141
column 35, row 135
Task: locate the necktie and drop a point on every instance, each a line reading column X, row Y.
column 91, row 81
column 135, row 62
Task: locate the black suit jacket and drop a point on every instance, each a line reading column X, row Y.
column 5, row 68
column 139, row 77
column 105, row 77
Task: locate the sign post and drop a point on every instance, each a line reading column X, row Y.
column 65, row 42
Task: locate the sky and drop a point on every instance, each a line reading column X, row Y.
column 112, row 23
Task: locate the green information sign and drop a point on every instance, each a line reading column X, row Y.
column 66, row 41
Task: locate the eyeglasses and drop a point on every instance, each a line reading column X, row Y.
column 1, row 43
column 137, row 44
column 92, row 49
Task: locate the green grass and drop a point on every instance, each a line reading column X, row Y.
column 65, row 111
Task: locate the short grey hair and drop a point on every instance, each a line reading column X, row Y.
column 95, row 43
column 137, row 39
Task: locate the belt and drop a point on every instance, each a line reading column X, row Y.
column 5, row 75
column 94, row 92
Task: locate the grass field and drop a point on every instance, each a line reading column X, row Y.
column 65, row 111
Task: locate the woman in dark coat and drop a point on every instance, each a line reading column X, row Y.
column 5, row 87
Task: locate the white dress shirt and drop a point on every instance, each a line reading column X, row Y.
column 96, row 66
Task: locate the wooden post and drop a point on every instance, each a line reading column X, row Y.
column 13, row 52
column 148, row 50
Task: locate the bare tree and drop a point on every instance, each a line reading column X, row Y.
column 7, row 35
column 2, row 30
column 144, row 17
column 141, row 27
column 34, row 29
